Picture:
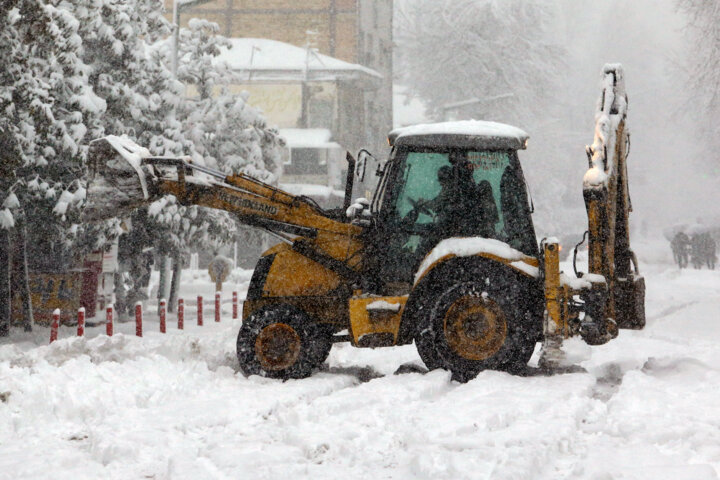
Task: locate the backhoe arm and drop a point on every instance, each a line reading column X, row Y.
column 612, row 294
column 607, row 201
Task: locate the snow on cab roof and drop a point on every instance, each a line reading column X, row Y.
column 465, row 133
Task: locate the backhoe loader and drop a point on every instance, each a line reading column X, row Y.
column 438, row 248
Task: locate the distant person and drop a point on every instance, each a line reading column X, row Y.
column 679, row 245
column 697, row 251
column 707, row 245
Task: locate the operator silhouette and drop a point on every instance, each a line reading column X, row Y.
column 463, row 208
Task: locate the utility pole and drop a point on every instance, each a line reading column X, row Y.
column 180, row 6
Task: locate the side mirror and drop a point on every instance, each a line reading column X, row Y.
column 380, row 168
column 356, row 172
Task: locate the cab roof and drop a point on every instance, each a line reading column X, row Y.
column 462, row 134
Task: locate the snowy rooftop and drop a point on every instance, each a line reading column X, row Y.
column 308, row 138
column 269, row 60
column 470, row 133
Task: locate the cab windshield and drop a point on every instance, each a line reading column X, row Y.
column 457, row 193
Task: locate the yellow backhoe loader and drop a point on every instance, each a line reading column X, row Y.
column 443, row 253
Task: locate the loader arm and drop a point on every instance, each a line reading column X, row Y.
column 125, row 176
column 253, row 202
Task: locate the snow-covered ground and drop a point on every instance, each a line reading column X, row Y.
column 175, row 406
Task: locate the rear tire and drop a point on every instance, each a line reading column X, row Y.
column 281, row 341
column 470, row 321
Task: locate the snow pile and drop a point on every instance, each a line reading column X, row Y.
column 130, row 151
column 63, row 202
column 11, row 201
column 6, row 219
column 361, row 206
column 467, row 247
column 581, row 283
column 612, row 109
column 526, row 268
column 68, row 198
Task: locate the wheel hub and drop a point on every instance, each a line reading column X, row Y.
column 475, row 328
column 277, row 346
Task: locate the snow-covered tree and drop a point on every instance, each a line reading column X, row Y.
column 497, row 60
column 140, row 93
column 47, row 105
column 216, row 128
column 224, row 128
column 71, row 72
column 495, row 55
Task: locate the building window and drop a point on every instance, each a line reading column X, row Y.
column 307, row 161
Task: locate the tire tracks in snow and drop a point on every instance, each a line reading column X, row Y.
column 607, row 385
column 575, row 449
column 666, row 312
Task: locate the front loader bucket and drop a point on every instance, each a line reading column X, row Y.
column 119, row 181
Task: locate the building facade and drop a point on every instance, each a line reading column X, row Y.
column 355, row 31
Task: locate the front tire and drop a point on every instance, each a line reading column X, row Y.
column 470, row 321
column 281, row 341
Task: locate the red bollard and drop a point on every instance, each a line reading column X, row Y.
column 181, row 314
column 54, row 325
column 217, row 306
column 199, row 311
column 162, row 315
column 235, row 306
column 138, row 319
column 109, row 321
column 81, row 322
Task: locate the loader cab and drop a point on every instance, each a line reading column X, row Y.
column 455, row 179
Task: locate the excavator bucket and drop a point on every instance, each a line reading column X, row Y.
column 118, row 180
